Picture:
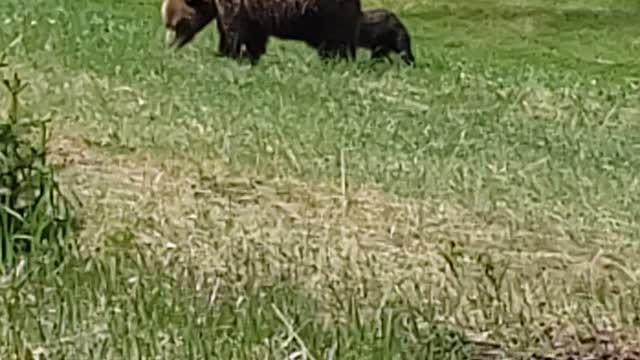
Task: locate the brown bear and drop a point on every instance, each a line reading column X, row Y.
column 382, row 32
column 330, row 26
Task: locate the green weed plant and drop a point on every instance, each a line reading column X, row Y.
column 34, row 214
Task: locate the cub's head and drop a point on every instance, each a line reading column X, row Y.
column 184, row 19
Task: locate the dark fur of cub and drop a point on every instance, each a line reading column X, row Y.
column 382, row 32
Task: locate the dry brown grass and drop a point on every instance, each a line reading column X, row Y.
column 202, row 213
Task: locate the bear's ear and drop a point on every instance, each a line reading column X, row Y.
column 187, row 28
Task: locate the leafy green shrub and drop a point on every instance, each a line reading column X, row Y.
column 34, row 214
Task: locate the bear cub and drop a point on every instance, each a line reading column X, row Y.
column 382, row 32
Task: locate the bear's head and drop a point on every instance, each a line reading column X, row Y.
column 184, row 19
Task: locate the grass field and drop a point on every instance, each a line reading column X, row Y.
column 482, row 204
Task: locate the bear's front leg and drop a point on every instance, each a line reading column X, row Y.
column 244, row 44
column 224, row 46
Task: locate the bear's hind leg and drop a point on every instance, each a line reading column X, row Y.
column 352, row 51
column 336, row 51
column 327, row 51
column 257, row 46
column 339, row 36
column 242, row 48
column 379, row 53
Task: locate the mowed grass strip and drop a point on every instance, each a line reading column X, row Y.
column 517, row 131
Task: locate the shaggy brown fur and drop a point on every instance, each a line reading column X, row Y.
column 330, row 26
column 382, row 32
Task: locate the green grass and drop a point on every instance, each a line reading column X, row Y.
column 123, row 305
column 515, row 139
